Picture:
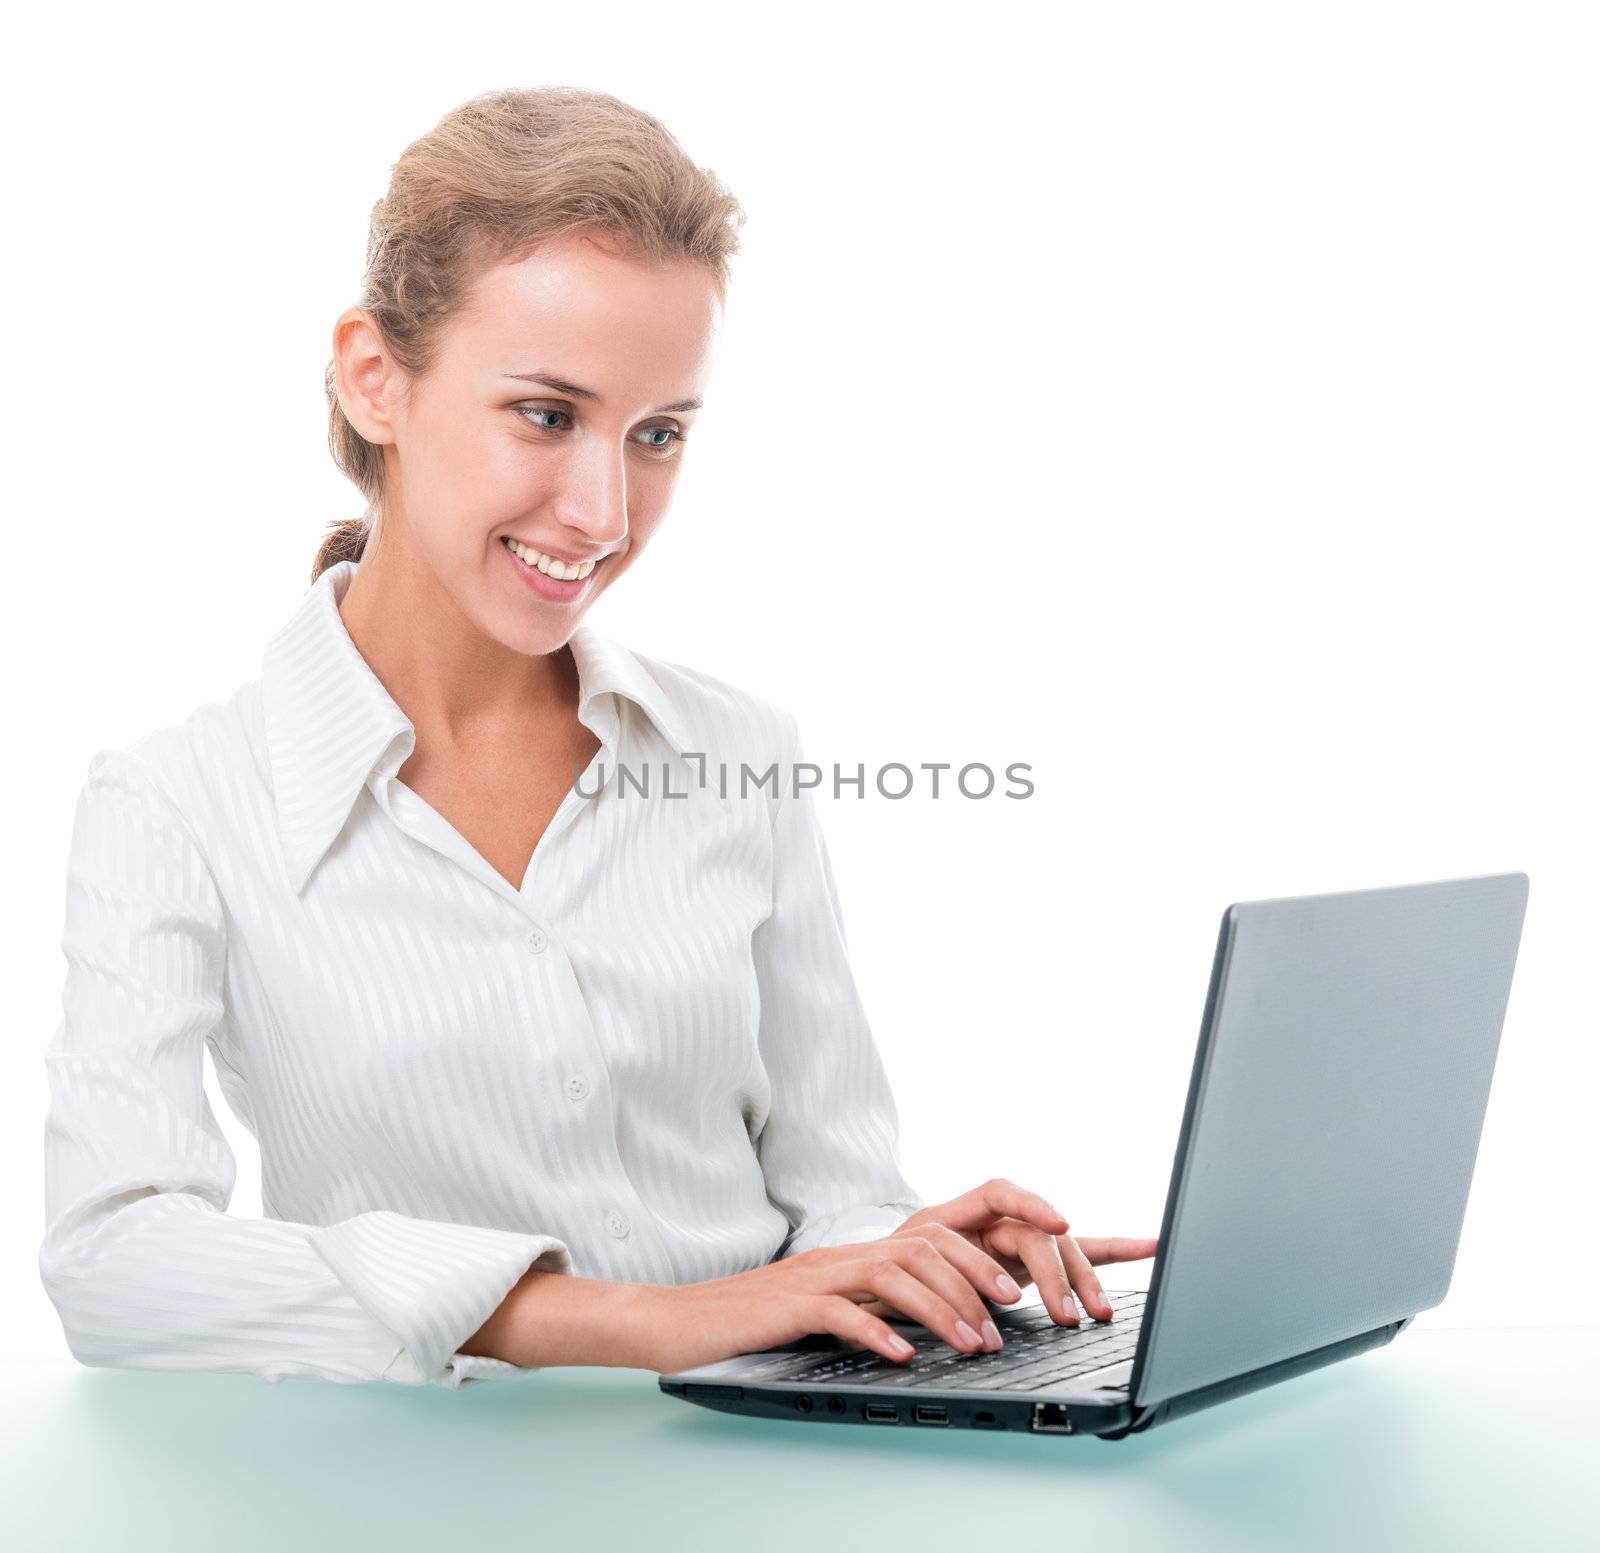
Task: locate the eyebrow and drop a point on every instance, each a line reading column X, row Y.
column 573, row 391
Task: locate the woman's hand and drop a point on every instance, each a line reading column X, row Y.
column 1003, row 1238
column 930, row 1270
column 829, row 1290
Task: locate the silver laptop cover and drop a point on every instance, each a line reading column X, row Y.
column 1335, row 1108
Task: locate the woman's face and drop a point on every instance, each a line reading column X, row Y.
column 554, row 415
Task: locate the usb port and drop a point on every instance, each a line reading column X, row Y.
column 882, row 1413
column 926, row 1413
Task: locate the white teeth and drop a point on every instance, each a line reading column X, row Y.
column 562, row 571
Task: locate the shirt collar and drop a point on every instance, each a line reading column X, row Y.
column 330, row 723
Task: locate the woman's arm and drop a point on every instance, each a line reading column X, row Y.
column 829, row 1145
column 140, row 1257
column 555, row 1318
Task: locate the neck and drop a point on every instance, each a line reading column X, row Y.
column 457, row 684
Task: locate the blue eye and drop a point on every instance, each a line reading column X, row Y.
column 659, row 440
column 529, row 411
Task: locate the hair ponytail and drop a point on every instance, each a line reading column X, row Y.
column 344, row 541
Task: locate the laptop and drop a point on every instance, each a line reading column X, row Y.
column 1317, row 1194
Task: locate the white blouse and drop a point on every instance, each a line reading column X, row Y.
column 648, row 1064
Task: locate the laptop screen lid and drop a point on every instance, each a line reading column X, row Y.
column 1332, row 1123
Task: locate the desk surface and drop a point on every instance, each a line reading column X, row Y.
column 1445, row 1439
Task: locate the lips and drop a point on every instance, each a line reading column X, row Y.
column 583, row 567
column 558, row 590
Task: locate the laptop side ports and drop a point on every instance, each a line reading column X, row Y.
column 882, row 1413
column 931, row 1413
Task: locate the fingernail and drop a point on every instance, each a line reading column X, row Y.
column 967, row 1335
column 1007, row 1287
column 901, row 1346
column 991, row 1335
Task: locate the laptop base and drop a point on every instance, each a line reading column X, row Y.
column 1016, row 1413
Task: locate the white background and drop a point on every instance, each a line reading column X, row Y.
column 1195, row 402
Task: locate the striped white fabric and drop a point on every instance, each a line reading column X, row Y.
column 650, row 1063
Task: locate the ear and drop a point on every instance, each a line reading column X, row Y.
column 366, row 377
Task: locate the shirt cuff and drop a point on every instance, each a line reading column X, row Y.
column 433, row 1284
column 461, row 1370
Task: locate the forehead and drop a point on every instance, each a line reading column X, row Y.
column 574, row 308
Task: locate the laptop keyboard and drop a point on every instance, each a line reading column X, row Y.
column 1037, row 1353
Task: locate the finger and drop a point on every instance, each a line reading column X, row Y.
column 883, row 1276
column 1115, row 1248
column 1000, row 1240
column 1084, row 1280
column 846, row 1319
column 963, row 1267
column 951, row 1264
column 940, row 1259
column 974, row 1262
column 998, row 1199
column 1043, row 1255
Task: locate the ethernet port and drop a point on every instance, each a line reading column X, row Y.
column 1051, row 1418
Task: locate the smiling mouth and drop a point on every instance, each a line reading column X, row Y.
column 562, row 571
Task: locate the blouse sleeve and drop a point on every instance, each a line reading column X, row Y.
column 143, row 1263
column 829, row 1144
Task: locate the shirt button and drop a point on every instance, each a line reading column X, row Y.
column 577, row 1086
column 616, row 1224
column 536, row 940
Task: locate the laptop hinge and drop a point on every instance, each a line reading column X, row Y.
column 1253, row 1380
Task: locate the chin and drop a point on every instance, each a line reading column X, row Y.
column 531, row 635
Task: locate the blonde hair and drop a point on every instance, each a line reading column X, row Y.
column 491, row 180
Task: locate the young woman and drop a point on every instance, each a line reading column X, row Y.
column 543, row 1070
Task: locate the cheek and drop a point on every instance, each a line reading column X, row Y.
column 649, row 496
column 483, row 472
column 472, row 447
column 466, row 483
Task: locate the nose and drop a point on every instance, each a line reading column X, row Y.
column 594, row 494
